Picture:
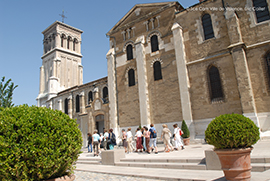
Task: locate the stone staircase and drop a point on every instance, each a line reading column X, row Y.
column 259, row 164
column 89, row 160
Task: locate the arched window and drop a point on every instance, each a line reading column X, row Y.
column 77, row 103
column 261, row 10
column 207, row 27
column 157, row 71
column 90, row 96
column 66, row 106
column 131, row 78
column 268, row 67
column 105, row 92
column 129, row 51
column 154, row 43
column 215, row 84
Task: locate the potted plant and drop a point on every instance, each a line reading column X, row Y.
column 186, row 133
column 232, row 136
column 37, row 144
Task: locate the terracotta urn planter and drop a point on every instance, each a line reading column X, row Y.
column 235, row 163
column 64, row 178
column 186, row 141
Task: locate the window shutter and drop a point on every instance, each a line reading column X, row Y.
column 215, row 84
column 129, row 52
column 77, row 103
column 207, row 27
column 262, row 14
column 154, row 43
column 157, row 71
column 131, row 78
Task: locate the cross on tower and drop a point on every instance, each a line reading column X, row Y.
column 63, row 16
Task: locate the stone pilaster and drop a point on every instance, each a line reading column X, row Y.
column 80, row 74
column 57, row 40
column 142, row 82
column 183, row 80
column 70, row 106
column 41, row 80
column 113, row 111
column 82, row 102
column 60, row 107
column 241, row 66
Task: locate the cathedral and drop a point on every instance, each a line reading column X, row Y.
column 166, row 64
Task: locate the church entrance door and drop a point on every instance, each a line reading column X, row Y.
column 100, row 123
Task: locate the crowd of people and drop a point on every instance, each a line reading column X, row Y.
column 96, row 142
column 146, row 140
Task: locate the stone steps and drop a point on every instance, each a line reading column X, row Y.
column 259, row 164
column 189, row 166
column 90, row 160
column 260, row 159
column 164, row 160
column 260, row 167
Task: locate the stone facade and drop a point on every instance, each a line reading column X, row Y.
column 167, row 64
column 93, row 112
column 237, row 49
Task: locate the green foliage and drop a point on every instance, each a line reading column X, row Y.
column 6, row 92
column 185, row 129
column 37, row 143
column 232, row 131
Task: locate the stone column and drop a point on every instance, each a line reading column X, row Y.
column 70, row 106
column 183, row 80
column 60, row 107
column 241, row 67
column 142, row 82
column 79, row 47
column 41, row 80
column 80, row 78
column 82, row 102
column 57, row 40
column 113, row 111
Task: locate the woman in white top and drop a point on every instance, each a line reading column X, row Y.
column 129, row 140
column 138, row 135
column 177, row 138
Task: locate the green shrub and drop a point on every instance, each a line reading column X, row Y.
column 232, row 131
column 185, row 129
column 37, row 143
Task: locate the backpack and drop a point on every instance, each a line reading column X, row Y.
column 113, row 140
column 153, row 133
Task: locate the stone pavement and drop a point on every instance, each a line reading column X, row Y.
column 194, row 151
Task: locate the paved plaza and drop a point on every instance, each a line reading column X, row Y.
column 86, row 176
column 97, row 171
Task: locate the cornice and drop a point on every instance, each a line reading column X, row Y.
column 118, row 26
column 62, row 24
column 61, row 50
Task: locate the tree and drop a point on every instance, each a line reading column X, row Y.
column 6, row 92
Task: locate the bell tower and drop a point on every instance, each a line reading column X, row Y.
column 61, row 61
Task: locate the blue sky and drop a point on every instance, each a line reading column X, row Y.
column 21, row 24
